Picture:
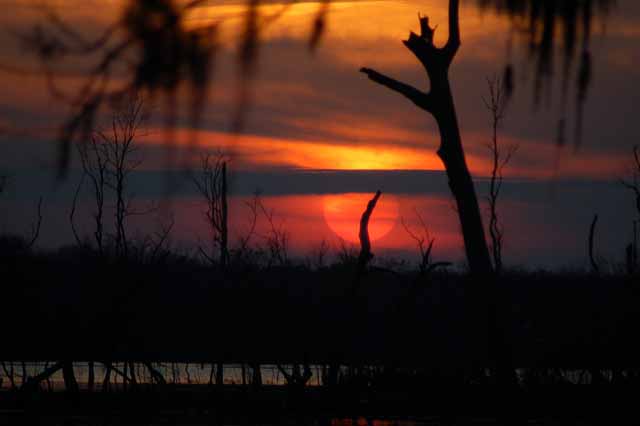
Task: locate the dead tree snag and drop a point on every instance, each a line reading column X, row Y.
column 439, row 103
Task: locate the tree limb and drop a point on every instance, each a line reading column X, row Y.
column 453, row 43
column 155, row 374
column 365, row 242
column 421, row 99
column 32, row 383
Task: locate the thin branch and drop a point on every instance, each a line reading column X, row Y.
column 161, row 238
column 35, row 230
column 592, row 259
column 253, row 208
column 72, row 213
column 155, row 374
column 277, row 239
column 206, row 256
column 426, row 266
column 33, row 382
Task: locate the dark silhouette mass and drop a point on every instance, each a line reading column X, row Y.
column 130, row 324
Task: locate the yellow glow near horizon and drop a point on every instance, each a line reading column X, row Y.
column 296, row 153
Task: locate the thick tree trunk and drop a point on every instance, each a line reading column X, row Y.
column 439, row 103
column 462, row 188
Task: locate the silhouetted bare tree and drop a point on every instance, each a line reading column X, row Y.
column 634, row 186
column 68, row 376
column 439, row 103
column 276, row 238
column 211, row 182
column 93, row 157
column 425, row 243
column 243, row 252
column 108, row 158
column 119, row 148
column 365, row 255
column 500, row 156
column 318, row 256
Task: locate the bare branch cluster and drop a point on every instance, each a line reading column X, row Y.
column 155, row 248
column 319, row 254
column 425, row 244
column 276, row 238
column 211, row 183
column 245, row 239
column 108, row 158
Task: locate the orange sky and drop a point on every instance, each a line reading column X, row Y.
column 301, row 120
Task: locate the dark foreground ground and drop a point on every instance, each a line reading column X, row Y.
column 76, row 306
column 551, row 405
column 417, row 344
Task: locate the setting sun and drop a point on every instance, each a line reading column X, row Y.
column 343, row 212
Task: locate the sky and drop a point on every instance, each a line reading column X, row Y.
column 320, row 139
